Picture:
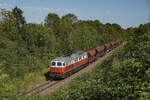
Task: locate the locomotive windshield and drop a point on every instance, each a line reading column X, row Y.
column 53, row 63
column 59, row 64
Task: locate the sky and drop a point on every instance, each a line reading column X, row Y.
column 127, row 13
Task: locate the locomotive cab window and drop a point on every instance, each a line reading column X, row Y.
column 59, row 64
column 82, row 57
column 53, row 63
column 63, row 64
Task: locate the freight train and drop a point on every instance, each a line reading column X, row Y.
column 64, row 66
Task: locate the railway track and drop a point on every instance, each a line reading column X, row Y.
column 40, row 88
column 49, row 86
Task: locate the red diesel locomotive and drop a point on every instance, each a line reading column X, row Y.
column 64, row 66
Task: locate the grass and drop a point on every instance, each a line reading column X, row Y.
column 21, row 85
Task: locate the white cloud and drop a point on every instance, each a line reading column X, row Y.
column 36, row 14
column 39, row 9
column 5, row 6
column 34, row 9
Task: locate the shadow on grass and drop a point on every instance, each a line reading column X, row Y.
column 47, row 75
column 50, row 78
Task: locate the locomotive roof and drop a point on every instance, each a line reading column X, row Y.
column 70, row 56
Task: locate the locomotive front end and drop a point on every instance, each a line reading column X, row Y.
column 57, row 68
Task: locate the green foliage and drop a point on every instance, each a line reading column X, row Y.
column 27, row 48
column 52, row 20
column 71, row 18
column 18, row 17
column 124, row 75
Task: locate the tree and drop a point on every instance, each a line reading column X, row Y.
column 52, row 19
column 71, row 18
column 8, row 25
column 116, row 26
column 18, row 16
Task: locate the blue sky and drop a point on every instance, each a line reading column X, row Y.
column 127, row 13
